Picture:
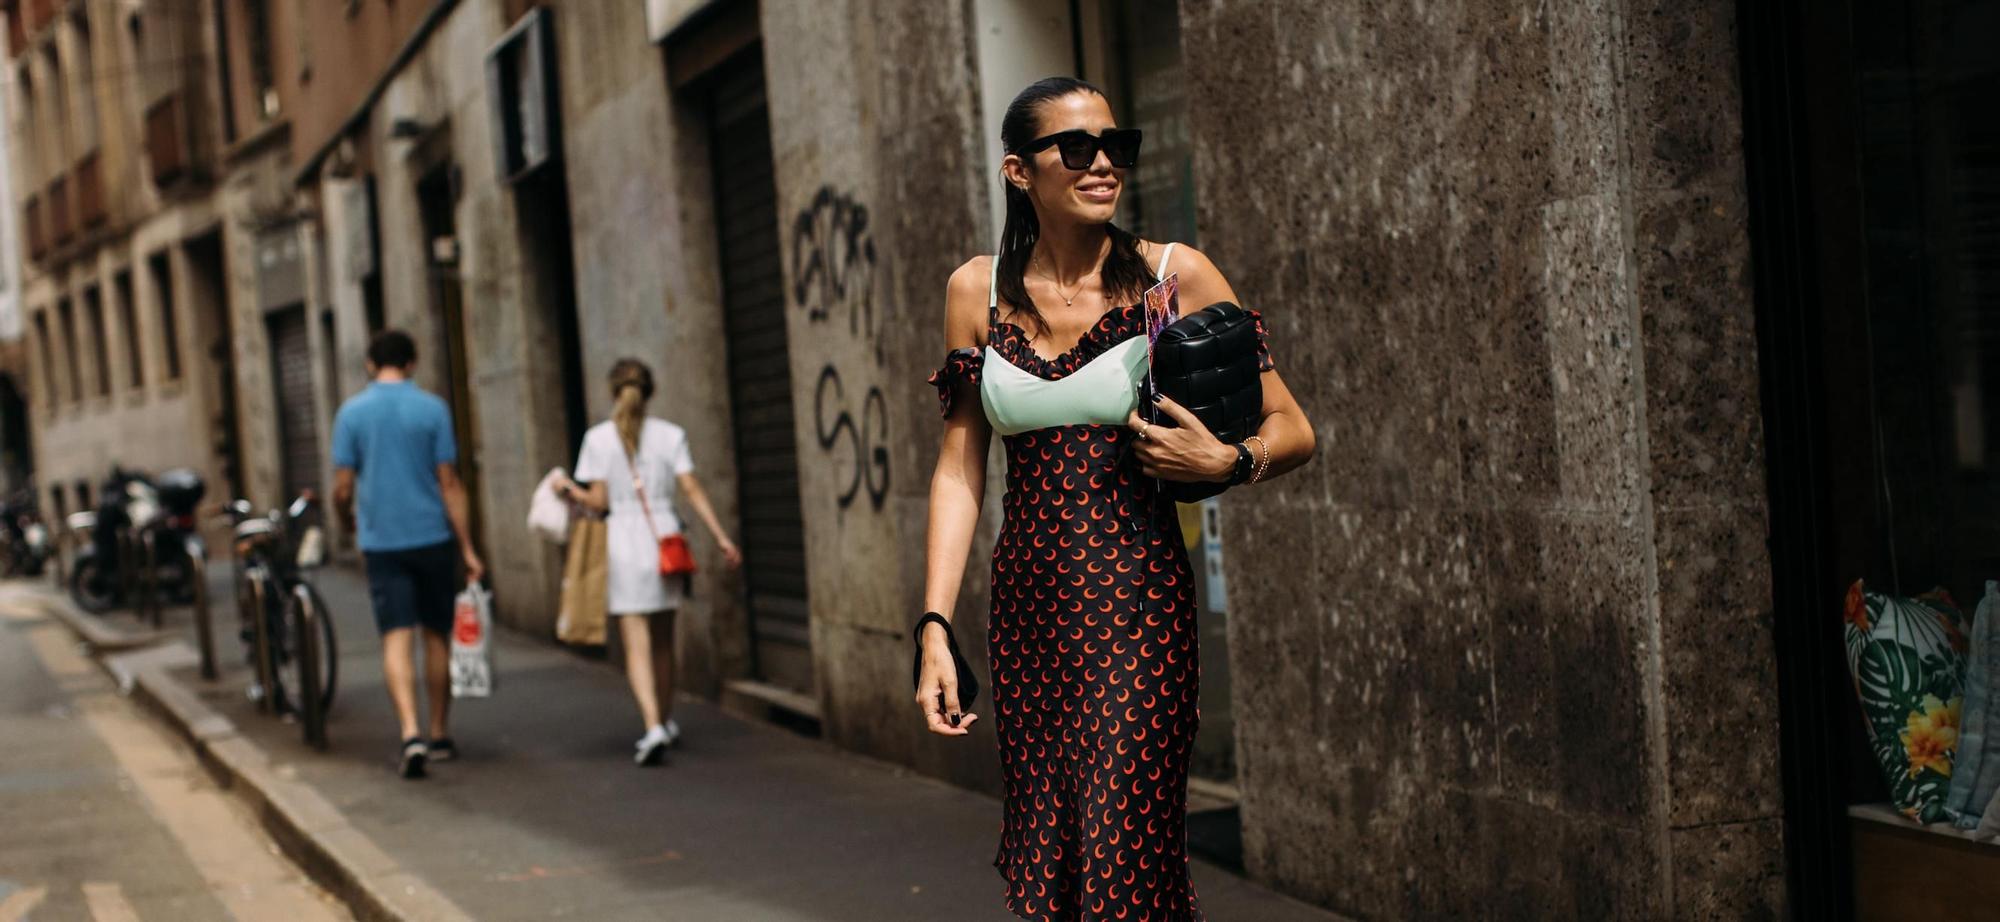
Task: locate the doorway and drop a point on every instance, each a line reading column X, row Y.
column 292, row 379
column 437, row 200
column 17, row 453
column 543, row 200
column 206, row 288
column 760, row 379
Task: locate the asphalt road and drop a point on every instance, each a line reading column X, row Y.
column 104, row 816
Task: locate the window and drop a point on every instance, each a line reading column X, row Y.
column 85, row 75
column 1876, row 214
column 128, row 325
column 160, row 268
column 56, row 117
column 263, row 76
column 1133, row 51
column 46, row 348
column 25, row 124
column 100, row 344
column 66, row 319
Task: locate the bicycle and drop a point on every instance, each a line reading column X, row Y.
column 283, row 620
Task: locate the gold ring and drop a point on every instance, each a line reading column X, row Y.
column 1142, row 430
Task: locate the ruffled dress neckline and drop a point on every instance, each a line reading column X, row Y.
column 1113, row 327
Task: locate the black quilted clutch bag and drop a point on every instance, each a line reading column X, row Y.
column 1207, row 362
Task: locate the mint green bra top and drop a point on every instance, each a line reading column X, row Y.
column 1103, row 392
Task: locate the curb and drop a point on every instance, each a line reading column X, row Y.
column 310, row 830
column 92, row 630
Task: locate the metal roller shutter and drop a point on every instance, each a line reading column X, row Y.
column 760, row 381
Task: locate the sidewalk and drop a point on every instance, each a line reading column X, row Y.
column 545, row 816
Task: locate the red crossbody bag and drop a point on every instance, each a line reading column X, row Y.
column 676, row 559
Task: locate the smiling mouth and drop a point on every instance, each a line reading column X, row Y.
column 1098, row 190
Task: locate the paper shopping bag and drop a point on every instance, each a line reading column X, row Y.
column 581, row 620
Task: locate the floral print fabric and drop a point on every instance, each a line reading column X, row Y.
column 1907, row 659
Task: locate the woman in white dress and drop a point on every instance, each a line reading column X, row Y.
column 629, row 453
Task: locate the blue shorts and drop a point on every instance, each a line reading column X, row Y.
column 417, row 587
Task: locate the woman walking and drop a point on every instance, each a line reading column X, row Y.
column 632, row 463
column 1092, row 631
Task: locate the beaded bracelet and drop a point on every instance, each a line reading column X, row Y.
column 1264, row 461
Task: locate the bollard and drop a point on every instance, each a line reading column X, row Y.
column 149, row 579
column 204, row 627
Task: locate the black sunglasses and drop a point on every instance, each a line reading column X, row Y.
column 1079, row 148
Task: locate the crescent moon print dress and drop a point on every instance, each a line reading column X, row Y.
column 1092, row 632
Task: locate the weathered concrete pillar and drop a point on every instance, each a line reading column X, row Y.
column 1502, row 248
column 875, row 133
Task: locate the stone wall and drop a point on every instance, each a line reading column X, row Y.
column 1503, row 255
column 875, row 130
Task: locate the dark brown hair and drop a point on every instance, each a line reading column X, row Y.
column 1125, row 275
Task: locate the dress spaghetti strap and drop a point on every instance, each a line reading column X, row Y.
column 1165, row 255
column 993, row 297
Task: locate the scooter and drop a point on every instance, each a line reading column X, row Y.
column 132, row 512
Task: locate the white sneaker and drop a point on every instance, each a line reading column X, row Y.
column 651, row 748
column 673, row 733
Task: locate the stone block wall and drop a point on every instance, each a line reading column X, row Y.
column 1503, row 255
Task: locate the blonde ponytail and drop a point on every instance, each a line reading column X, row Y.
column 628, row 414
column 631, row 387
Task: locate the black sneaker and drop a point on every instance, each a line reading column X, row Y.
column 443, row 749
column 415, row 754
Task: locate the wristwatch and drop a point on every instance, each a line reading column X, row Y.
column 1245, row 463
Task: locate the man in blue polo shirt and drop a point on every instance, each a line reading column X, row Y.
column 394, row 442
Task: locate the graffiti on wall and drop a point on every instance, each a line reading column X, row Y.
column 858, row 449
column 833, row 263
column 833, row 281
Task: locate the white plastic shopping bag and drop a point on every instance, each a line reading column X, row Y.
column 548, row 515
column 471, row 650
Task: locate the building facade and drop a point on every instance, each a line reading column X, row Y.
column 1546, row 630
column 114, row 169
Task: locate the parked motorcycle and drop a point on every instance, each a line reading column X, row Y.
column 24, row 540
column 134, row 512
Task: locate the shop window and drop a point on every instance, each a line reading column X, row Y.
column 1877, row 225
column 1133, row 51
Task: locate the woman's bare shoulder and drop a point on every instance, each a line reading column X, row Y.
column 1201, row 283
column 971, row 279
column 965, row 302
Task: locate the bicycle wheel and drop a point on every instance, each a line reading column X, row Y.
column 254, row 599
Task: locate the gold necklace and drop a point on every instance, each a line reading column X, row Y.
column 1067, row 300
